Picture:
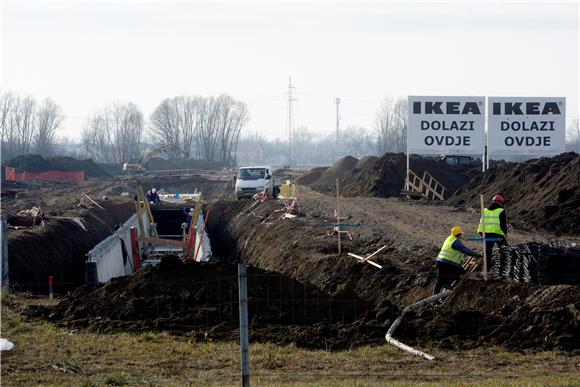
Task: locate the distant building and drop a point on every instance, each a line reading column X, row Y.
column 249, row 153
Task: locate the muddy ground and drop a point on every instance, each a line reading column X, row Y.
column 290, row 254
column 201, row 301
column 299, row 254
column 300, row 248
column 542, row 193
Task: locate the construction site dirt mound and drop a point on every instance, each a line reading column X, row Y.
column 37, row 163
column 58, row 247
column 366, row 162
column 201, row 300
column 385, row 176
column 542, row 193
column 311, row 176
column 324, row 179
column 514, row 315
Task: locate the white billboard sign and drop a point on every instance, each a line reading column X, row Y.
column 526, row 125
column 446, row 125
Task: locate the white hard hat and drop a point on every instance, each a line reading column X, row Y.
column 153, row 190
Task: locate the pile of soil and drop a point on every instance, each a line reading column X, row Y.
column 36, row 163
column 385, row 176
column 201, row 300
column 540, row 193
column 324, row 179
column 514, row 315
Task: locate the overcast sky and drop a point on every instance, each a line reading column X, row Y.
column 87, row 54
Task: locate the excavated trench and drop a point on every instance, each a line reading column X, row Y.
column 168, row 220
column 59, row 248
column 201, row 300
column 301, row 292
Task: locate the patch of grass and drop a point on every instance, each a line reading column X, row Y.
column 149, row 337
column 117, row 380
column 13, row 324
column 49, row 355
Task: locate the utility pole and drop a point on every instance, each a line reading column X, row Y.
column 337, row 102
column 291, row 100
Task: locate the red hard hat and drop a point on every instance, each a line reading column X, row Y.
column 498, row 198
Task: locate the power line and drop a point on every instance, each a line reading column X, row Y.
column 291, row 100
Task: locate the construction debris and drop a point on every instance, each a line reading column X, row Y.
column 546, row 264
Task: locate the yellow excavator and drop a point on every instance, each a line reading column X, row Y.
column 142, row 164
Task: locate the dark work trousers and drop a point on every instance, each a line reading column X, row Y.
column 489, row 247
column 447, row 273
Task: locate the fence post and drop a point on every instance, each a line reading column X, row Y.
column 50, row 286
column 4, row 257
column 244, row 334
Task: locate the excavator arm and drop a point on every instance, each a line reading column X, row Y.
column 142, row 165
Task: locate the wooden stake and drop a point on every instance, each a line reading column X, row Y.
column 484, row 241
column 375, row 253
column 139, row 218
column 91, row 200
column 365, row 260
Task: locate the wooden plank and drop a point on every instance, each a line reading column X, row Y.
column 362, row 260
column 91, row 200
column 412, row 193
column 161, row 242
column 373, row 254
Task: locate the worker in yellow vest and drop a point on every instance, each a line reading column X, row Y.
column 494, row 223
column 450, row 260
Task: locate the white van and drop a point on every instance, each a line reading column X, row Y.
column 252, row 180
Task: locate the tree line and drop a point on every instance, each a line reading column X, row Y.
column 207, row 128
column 28, row 126
column 196, row 127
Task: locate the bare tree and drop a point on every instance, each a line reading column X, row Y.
column 391, row 126
column 165, row 123
column 115, row 134
column 358, row 142
column 127, row 130
column 175, row 122
column 18, row 124
column 96, row 138
column 48, row 119
column 205, row 128
column 25, row 124
column 383, row 123
column 573, row 134
column 7, row 130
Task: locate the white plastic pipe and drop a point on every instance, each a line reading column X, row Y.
column 397, row 322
